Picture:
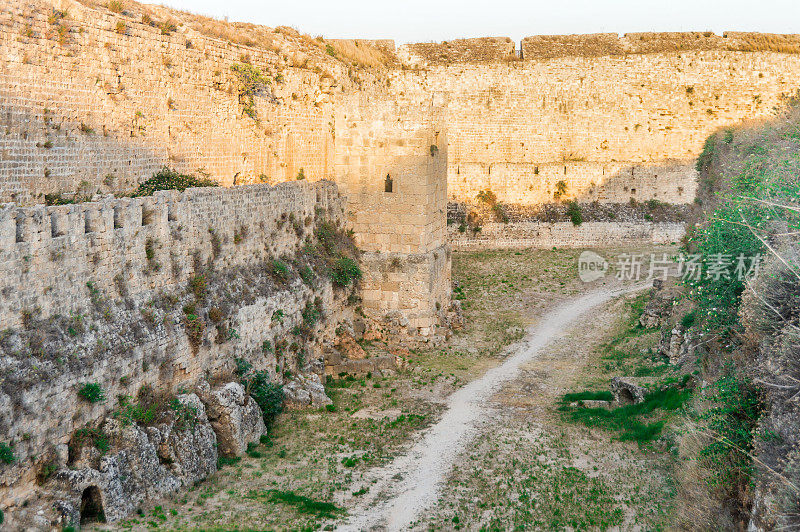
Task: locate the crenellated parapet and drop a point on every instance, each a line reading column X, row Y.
column 50, row 253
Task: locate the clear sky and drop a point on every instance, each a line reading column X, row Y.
column 425, row 20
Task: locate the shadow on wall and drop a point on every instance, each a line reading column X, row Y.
column 532, row 184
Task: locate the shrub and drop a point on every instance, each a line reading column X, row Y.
column 116, row 6
column 561, row 190
column 195, row 329
column 488, row 197
column 198, row 287
column 307, row 274
column 185, row 414
column 121, row 27
column 167, row 27
column 168, row 179
column 732, row 419
column 306, row 505
column 251, row 83
column 130, row 412
column 311, row 313
column 344, row 271
column 6, row 454
column 95, row 437
column 301, row 175
column 330, row 50
column 574, row 213
column 92, row 392
column 267, row 394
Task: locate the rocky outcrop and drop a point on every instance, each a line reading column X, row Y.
column 304, row 391
column 678, row 346
column 146, row 463
column 234, row 415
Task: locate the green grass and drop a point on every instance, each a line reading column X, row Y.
column 628, row 421
column 588, row 396
column 304, row 504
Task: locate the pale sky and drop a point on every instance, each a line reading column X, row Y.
column 424, row 20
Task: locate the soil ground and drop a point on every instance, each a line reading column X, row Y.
column 525, row 466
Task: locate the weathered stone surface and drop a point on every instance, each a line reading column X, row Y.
column 305, row 390
column 626, row 392
column 349, row 349
column 235, row 417
column 145, row 463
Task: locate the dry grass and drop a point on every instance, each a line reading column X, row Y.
column 363, row 52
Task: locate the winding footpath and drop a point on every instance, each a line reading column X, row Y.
column 405, row 488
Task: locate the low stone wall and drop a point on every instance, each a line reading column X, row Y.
column 564, row 234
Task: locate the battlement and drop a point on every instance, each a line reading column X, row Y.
column 542, row 47
column 50, row 253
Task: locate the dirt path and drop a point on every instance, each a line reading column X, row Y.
column 404, row 489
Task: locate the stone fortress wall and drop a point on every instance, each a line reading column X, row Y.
column 616, row 118
column 50, row 253
column 104, row 292
column 105, row 99
column 94, row 102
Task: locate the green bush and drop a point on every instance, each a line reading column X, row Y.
column 6, row 454
column 95, row 437
column 345, row 271
column 630, row 421
column 307, row 274
column 732, row 419
column 574, row 213
column 251, row 83
column 311, row 313
column 268, row 395
column 92, row 392
column 306, row 505
column 168, row 179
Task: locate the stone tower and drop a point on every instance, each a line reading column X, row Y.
column 391, row 162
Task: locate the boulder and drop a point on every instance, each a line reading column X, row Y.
column 235, row 417
column 305, row 391
column 626, row 392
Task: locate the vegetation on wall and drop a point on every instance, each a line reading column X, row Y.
column 251, row 83
column 169, row 179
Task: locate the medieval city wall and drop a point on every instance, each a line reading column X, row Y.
column 161, row 291
column 522, row 235
column 614, row 127
column 103, row 100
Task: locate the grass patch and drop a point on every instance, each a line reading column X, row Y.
column 628, row 420
column 588, row 396
column 304, row 504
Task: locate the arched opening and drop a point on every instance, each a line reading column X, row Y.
column 92, row 506
column 388, row 184
column 625, row 397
